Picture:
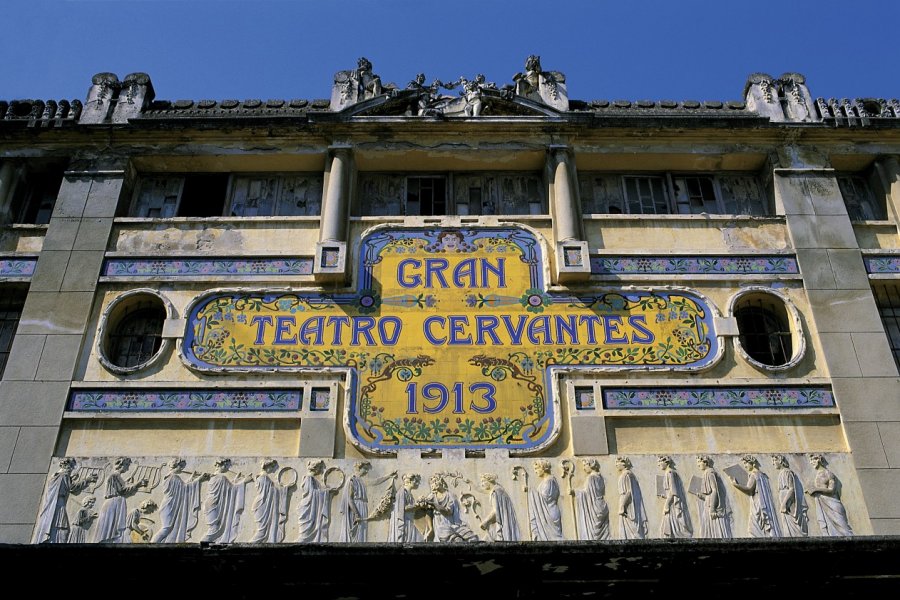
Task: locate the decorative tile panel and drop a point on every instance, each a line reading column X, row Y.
column 193, row 267
column 694, row 265
column 18, row 266
column 719, row 398
column 185, row 400
column 883, row 264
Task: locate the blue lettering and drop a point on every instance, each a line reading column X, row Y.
column 260, row 323
column 611, row 332
column 283, row 327
column 539, row 326
column 499, row 271
column 566, row 326
column 312, row 327
column 362, row 326
column 436, row 267
column 486, row 326
column 426, row 329
column 339, row 323
column 414, row 280
column 639, row 323
column 515, row 331
column 458, row 336
column 389, row 339
column 465, row 269
column 591, row 321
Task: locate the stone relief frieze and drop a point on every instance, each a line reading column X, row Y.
column 226, row 500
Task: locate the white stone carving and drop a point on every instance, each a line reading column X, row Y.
column 543, row 505
column 402, row 526
column 140, row 526
column 112, row 524
column 315, row 504
column 447, row 524
column 792, row 506
column 224, row 504
column 53, row 522
column 676, row 519
column 270, row 507
column 180, row 506
column 501, row 523
column 354, row 506
column 83, row 520
column 825, row 489
column 592, row 511
column 713, row 506
column 761, row 521
column 633, row 516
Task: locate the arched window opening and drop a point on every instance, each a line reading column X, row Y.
column 764, row 332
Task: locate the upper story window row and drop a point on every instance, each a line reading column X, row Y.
column 427, row 194
column 482, row 193
column 218, row 194
column 673, row 193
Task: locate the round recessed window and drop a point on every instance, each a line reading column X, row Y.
column 769, row 329
column 132, row 329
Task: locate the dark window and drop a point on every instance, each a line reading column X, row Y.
column 426, row 196
column 860, row 198
column 764, row 333
column 203, row 195
column 11, row 303
column 646, row 195
column 695, row 194
column 887, row 297
column 34, row 194
column 137, row 337
column 166, row 196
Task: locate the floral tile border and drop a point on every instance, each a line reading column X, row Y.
column 193, row 267
column 882, row 264
column 721, row 398
column 18, row 266
column 186, row 400
column 772, row 264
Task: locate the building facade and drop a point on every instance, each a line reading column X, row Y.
column 448, row 312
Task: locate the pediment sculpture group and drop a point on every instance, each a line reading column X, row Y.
column 454, row 509
column 475, row 94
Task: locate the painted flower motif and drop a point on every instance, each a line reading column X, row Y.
column 773, row 397
column 285, row 304
column 742, row 264
column 664, row 398
column 369, row 301
column 527, row 365
column 430, row 300
column 242, row 318
column 534, row 300
column 471, row 300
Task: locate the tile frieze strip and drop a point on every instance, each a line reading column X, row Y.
column 758, row 397
column 197, row 400
column 726, row 265
column 17, row 266
column 882, row 264
column 212, row 266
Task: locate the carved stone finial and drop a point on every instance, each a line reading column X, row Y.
column 761, row 95
column 104, row 88
column 798, row 104
column 137, row 93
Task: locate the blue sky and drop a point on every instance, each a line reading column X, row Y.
column 612, row 49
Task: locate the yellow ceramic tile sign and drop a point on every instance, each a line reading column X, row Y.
column 451, row 338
